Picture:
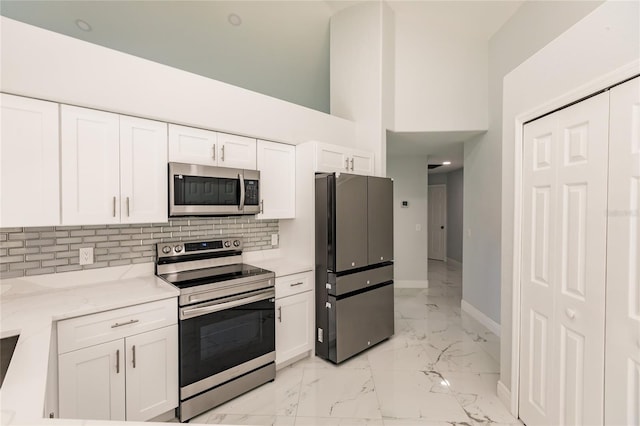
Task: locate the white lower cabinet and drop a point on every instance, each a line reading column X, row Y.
column 132, row 378
column 92, row 382
column 294, row 317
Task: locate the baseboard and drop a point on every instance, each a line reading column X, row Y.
column 454, row 262
column 472, row 311
column 411, row 283
column 504, row 395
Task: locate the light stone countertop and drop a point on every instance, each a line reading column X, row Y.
column 273, row 260
column 29, row 306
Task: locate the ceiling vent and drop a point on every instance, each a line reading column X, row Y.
column 433, row 166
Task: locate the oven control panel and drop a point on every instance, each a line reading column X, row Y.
column 184, row 248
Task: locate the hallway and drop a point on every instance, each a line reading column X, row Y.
column 440, row 368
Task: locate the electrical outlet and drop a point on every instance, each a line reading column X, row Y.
column 86, row 255
column 274, row 239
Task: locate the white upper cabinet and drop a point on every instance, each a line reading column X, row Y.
column 29, row 166
column 277, row 166
column 198, row 146
column 112, row 171
column 192, row 146
column 236, row 151
column 90, row 166
column 335, row 158
column 143, row 170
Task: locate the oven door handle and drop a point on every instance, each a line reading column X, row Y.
column 187, row 313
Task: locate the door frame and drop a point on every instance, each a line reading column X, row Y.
column 446, row 225
column 511, row 398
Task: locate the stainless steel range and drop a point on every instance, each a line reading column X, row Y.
column 227, row 321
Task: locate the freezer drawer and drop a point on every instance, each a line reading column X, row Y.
column 359, row 321
column 348, row 283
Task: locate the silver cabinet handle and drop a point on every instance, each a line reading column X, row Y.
column 222, row 156
column 133, row 349
column 114, row 206
column 261, row 206
column 127, row 206
column 296, row 284
column 351, row 163
column 346, row 164
column 133, row 321
column 279, row 313
column 214, row 151
column 118, row 361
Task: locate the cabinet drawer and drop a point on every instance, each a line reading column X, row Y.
column 89, row 330
column 293, row 284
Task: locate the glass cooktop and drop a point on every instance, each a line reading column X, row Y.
column 216, row 274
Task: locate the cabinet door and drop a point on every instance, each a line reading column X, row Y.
column 350, row 222
column 92, row 382
column 236, row 151
column 90, row 166
column 143, row 170
column 29, row 163
column 331, row 158
column 294, row 325
column 380, row 219
column 152, row 373
column 361, row 163
column 277, row 166
column 193, row 146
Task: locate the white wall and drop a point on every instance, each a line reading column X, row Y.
column 455, row 209
column 604, row 41
column 361, row 42
column 531, row 27
column 48, row 65
column 409, row 174
column 441, row 71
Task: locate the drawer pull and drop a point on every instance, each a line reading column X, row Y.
column 118, row 361
column 133, row 349
column 296, row 284
column 133, row 321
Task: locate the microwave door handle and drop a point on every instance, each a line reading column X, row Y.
column 241, row 177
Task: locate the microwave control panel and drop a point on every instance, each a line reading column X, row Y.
column 251, row 193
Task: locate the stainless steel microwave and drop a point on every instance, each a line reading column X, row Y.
column 196, row 190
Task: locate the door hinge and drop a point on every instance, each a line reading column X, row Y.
column 327, row 305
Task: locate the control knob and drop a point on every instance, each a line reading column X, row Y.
column 227, row 243
column 236, row 243
column 178, row 248
column 166, row 249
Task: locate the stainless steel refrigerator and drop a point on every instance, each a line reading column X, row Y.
column 354, row 263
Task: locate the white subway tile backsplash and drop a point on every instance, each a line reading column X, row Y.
column 47, row 250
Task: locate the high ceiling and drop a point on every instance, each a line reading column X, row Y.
column 278, row 48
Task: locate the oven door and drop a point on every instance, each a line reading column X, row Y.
column 225, row 339
column 204, row 190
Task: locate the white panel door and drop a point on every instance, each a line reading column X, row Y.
column 143, row 170
column 294, row 325
column 538, row 272
column 622, row 379
column 29, row 162
column 92, row 382
column 277, row 166
column 437, row 222
column 563, row 278
column 152, row 373
column 236, row 151
column 90, row 166
column 192, row 146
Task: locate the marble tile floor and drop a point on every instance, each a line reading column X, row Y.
column 440, row 368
